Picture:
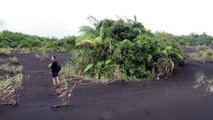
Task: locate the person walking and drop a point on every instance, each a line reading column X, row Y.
column 55, row 69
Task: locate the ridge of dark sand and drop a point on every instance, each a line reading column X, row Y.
column 171, row 99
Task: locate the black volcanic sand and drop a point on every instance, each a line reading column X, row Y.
column 170, row 99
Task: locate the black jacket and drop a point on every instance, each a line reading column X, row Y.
column 54, row 66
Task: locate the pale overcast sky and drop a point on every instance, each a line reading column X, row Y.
column 60, row 18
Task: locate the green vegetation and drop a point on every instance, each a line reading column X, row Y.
column 123, row 50
column 195, row 39
column 192, row 39
column 22, row 41
column 67, row 71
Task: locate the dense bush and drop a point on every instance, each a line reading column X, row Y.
column 191, row 40
column 18, row 40
column 195, row 39
column 124, row 49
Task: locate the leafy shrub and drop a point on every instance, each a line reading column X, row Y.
column 124, row 50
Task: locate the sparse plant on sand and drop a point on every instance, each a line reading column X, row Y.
column 25, row 51
column 203, row 54
column 5, row 51
column 14, row 60
column 9, row 86
column 62, row 49
column 42, row 56
column 65, row 92
column 12, row 68
column 203, row 80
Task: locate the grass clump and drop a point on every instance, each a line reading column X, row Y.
column 204, row 81
column 5, row 81
column 62, row 50
column 9, row 87
column 67, row 71
column 25, row 51
column 5, row 51
column 14, row 60
column 13, row 69
column 203, row 54
column 65, row 92
column 42, row 56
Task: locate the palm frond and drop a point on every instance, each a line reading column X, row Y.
column 87, row 29
column 92, row 20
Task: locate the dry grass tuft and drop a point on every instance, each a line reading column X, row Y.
column 42, row 56
column 12, row 68
column 203, row 54
column 62, row 50
column 25, row 51
column 65, row 92
column 200, row 81
column 204, row 81
column 9, row 86
column 14, row 60
column 5, row 51
column 67, row 72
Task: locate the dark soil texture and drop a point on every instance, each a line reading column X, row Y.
column 173, row 98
